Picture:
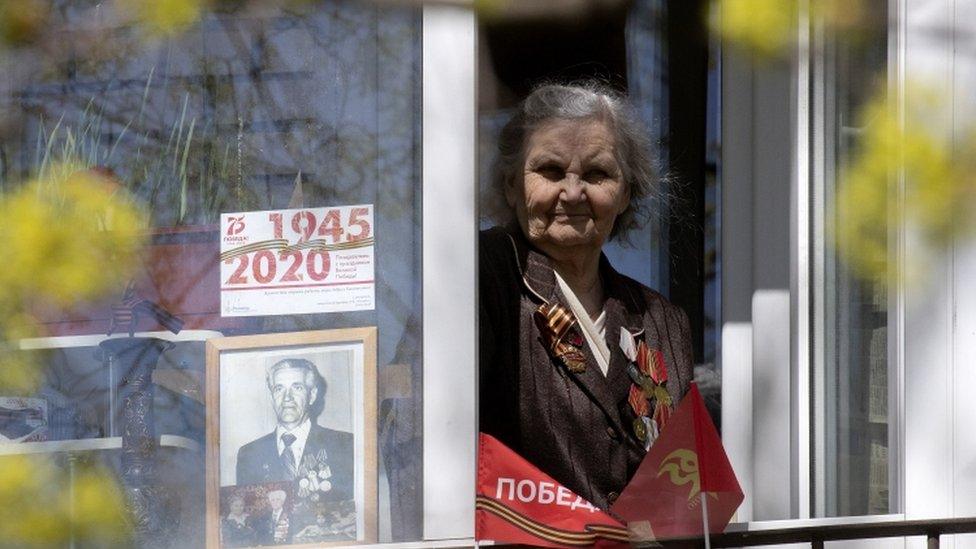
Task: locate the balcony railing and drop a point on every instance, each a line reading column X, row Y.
column 835, row 530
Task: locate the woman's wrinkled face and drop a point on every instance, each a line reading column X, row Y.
column 236, row 506
column 571, row 190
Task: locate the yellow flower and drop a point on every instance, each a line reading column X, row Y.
column 100, row 509
column 68, row 238
column 765, row 26
column 768, row 27
column 40, row 506
column 21, row 21
column 940, row 190
column 165, row 17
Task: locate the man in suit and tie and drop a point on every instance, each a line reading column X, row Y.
column 274, row 528
column 317, row 459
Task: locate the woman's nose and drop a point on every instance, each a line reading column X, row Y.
column 573, row 188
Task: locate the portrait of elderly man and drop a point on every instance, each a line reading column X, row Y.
column 319, row 460
column 275, row 527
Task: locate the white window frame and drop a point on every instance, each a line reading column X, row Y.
column 931, row 347
column 774, row 155
column 758, row 178
column 450, row 224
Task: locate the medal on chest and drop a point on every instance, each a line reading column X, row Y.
column 561, row 336
column 648, row 398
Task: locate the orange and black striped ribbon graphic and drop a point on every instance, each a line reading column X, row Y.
column 591, row 533
column 282, row 244
column 555, row 320
column 555, row 323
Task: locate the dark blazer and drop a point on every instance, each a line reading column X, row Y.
column 265, row 525
column 575, row 427
column 258, row 461
column 235, row 534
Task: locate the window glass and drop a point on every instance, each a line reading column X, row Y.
column 857, row 365
column 291, row 125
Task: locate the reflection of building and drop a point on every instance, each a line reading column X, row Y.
column 838, row 397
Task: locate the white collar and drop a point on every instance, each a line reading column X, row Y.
column 301, row 437
column 595, row 332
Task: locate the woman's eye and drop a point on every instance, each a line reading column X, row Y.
column 596, row 175
column 551, row 172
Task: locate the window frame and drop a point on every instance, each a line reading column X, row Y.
column 824, row 165
column 450, row 227
column 930, row 348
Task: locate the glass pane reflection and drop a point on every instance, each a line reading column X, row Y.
column 302, row 104
column 856, row 323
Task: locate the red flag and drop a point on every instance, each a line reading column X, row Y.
column 663, row 499
column 518, row 503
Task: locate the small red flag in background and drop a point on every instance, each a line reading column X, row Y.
column 663, row 500
column 518, row 503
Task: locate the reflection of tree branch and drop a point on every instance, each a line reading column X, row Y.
column 345, row 151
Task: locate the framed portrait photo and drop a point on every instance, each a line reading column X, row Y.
column 291, row 439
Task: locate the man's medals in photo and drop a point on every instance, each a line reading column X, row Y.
column 560, row 336
column 648, row 375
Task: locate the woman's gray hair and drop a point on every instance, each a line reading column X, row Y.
column 576, row 102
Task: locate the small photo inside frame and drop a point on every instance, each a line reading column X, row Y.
column 291, row 439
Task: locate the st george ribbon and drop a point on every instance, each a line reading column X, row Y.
column 518, row 503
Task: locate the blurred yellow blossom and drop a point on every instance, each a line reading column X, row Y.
column 41, row 505
column 940, row 189
column 21, row 21
column 69, row 236
column 20, row 375
column 99, row 507
column 768, row 27
column 165, row 17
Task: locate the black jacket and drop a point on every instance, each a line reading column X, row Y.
column 258, row 461
column 575, row 427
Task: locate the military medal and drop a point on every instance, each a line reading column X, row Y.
column 556, row 325
column 640, row 430
column 638, row 402
column 662, row 412
column 648, row 374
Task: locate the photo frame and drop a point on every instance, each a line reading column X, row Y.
column 291, row 439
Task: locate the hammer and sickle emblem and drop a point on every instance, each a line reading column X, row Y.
column 682, row 467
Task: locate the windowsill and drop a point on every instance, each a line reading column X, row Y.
column 762, row 525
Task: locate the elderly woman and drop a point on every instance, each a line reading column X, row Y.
column 580, row 366
column 236, row 529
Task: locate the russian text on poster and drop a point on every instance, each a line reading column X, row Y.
column 308, row 260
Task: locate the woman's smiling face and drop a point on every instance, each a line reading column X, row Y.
column 571, row 189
